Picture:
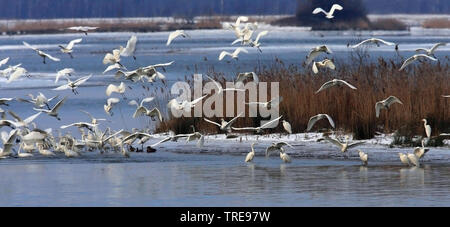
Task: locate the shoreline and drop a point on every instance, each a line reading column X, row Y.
column 161, row 24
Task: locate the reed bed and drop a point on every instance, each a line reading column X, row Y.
column 420, row 87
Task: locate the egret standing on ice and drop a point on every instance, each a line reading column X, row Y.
column 251, row 154
column 427, row 128
column 364, row 157
column 329, row 15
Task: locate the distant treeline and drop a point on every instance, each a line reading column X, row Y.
column 40, row 9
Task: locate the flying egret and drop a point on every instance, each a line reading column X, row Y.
column 335, row 82
column 386, row 104
column 276, row 147
column 69, row 48
column 4, row 61
column 41, row 53
column 54, row 111
column 375, row 41
column 16, row 74
column 8, row 140
column 110, row 103
column 130, row 48
column 185, row 106
column 220, row 89
column 176, row 34
column 4, row 101
column 316, row 51
column 271, row 104
column 234, row 55
column 19, row 122
column 248, row 75
column 343, row 146
column 416, row 58
column 270, row 124
column 73, row 85
column 314, row 119
column 327, row 63
column 225, row 126
column 83, row 29
column 40, row 101
column 64, row 72
column 430, row 52
column 329, row 14
column 115, row 89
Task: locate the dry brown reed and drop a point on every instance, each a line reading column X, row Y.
column 436, row 23
column 420, row 87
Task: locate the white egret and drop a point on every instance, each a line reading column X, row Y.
column 73, row 85
column 234, row 55
column 54, row 111
column 276, row 147
column 251, row 154
column 421, row 151
column 271, row 104
column 314, row 119
column 19, row 122
column 343, row 146
column 69, row 48
column 225, row 126
column 8, row 140
column 413, row 159
column 248, row 75
column 271, row 124
column 335, row 82
column 16, row 74
column 284, row 156
column 430, row 52
column 110, row 103
column 386, row 104
column 327, row 63
column 4, row 61
column 416, row 58
column 176, row 34
column 404, row 158
column 364, row 157
column 220, row 89
column 130, row 48
column 316, row 51
column 330, row 14
column 4, row 101
column 64, row 72
column 287, row 126
column 116, row 89
column 83, row 29
column 41, row 53
column 40, row 101
column 185, row 106
column 427, row 128
column 375, row 41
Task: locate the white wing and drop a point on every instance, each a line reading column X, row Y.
column 112, row 101
column 346, row 83
column 325, row 86
column 29, row 46
column 18, row 73
column 335, row 7
column 212, row 122
column 239, row 50
column 319, row 10
column 82, row 80
column 261, row 34
column 436, row 46
column 223, row 54
column 407, row 62
column 72, row 43
column 4, row 61
column 50, row 57
column 131, row 47
column 174, row 35
column 112, row 67
column 270, row 123
column 362, row 43
column 385, row 42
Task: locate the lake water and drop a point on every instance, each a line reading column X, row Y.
column 215, row 176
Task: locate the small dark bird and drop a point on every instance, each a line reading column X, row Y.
column 151, row 149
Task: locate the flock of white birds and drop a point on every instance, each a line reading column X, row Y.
column 29, row 138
